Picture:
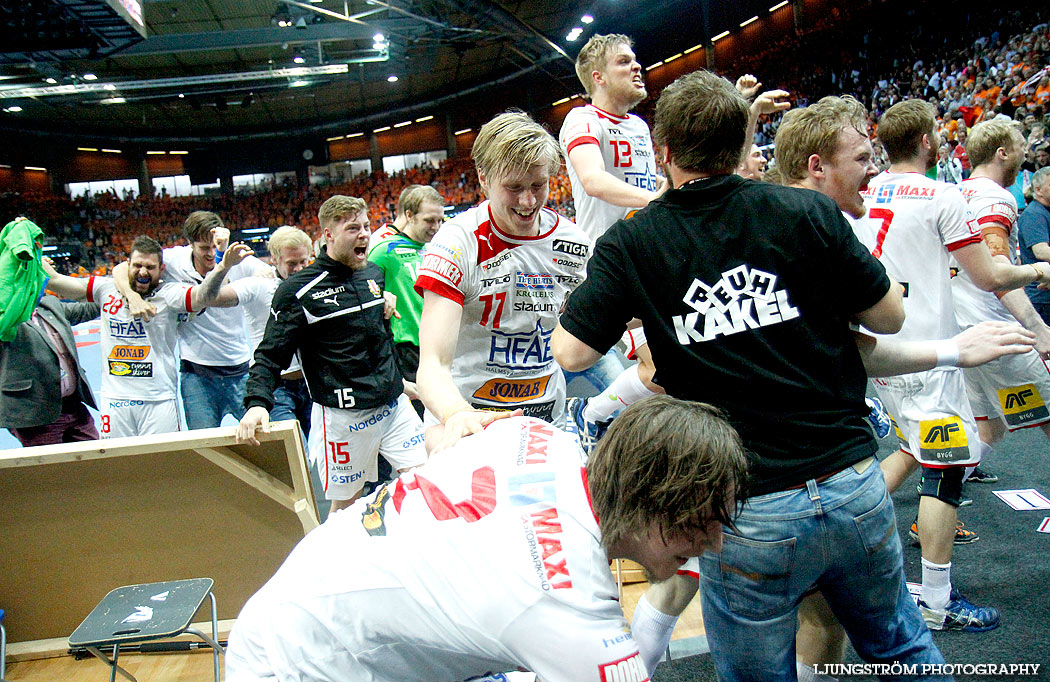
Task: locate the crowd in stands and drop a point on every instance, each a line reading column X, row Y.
column 1003, row 71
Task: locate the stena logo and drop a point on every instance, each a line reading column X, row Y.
column 629, row 669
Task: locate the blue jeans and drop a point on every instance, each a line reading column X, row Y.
column 291, row 400
column 208, row 399
column 601, row 373
column 840, row 536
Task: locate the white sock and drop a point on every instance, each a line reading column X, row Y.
column 651, row 630
column 623, row 391
column 807, row 674
column 936, row 584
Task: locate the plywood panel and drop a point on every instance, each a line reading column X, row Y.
column 81, row 519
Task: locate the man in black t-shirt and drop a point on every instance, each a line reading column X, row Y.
column 746, row 291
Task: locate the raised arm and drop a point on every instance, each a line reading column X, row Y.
column 66, row 287
column 211, row 292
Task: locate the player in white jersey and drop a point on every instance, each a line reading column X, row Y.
column 139, row 375
column 1012, row 392
column 495, row 557
column 213, row 345
column 493, row 281
column 913, row 225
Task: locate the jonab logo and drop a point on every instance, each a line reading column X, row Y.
column 743, row 298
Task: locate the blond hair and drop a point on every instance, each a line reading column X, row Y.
column 339, row 207
column 511, row 142
column 987, row 137
column 815, row 130
column 675, row 463
column 902, row 126
column 414, row 196
column 594, row 55
column 287, row 237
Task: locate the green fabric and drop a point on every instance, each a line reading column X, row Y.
column 21, row 274
column 399, row 257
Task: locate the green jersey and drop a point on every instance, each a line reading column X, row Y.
column 398, row 257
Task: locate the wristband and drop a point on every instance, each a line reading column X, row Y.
column 947, row 353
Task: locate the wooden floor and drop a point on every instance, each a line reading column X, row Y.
column 197, row 666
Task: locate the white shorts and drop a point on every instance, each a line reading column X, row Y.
column 1014, row 388
column 932, row 416
column 121, row 417
column 344, row 444
column 633, row 339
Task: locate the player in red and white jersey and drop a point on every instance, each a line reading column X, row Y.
column 495, row 557
column 139, row 373
column 493, row 280
column 913, row 224
column 1011, row 392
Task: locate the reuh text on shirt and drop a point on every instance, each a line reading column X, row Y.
column 743, row 298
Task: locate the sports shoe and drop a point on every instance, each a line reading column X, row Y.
column 960, row 614
column 963, row 501
column 588, row 432
column 962, row 535
column 879, row 418
column 980, row 476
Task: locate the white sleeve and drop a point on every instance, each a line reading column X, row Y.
column 562, row 644
column 954, row 220
column 176, row 296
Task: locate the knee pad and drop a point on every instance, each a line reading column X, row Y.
column 944, row 484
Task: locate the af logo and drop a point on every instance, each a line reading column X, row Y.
column 1022, row 405
column 374, row 288
column 943, row 441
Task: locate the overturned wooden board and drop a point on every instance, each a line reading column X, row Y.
column 83, row 518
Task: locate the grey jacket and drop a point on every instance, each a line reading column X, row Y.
column 30, row 383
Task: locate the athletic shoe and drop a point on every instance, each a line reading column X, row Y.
column 979, row 476
column 962, row 535
column 879, row 417
column 589, row 432
column 960, row 614
column 963, row 502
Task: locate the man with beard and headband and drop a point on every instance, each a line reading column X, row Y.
column 333, row 314
column 914, row 226
column 139, row 375
column 493, row 280
column 1012, row 392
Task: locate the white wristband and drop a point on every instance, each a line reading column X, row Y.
column 947, row 353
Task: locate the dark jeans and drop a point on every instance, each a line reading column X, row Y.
column 74, row 424
column 291, row 400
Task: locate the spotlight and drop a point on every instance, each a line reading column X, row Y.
column 90, row 77
column 392, row 78
column 299, row 58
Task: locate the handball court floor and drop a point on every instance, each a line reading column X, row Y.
column 1009, row 567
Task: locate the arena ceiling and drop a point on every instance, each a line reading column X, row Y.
column 237, row 68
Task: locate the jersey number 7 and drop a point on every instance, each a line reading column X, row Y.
column 886, row 216
column 481, row 503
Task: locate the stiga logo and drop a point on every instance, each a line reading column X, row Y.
column 943, row 440
column 571, row 248
column 130, row 369
column 129, row 353
column 1022, row 405
column 630, row 669
column 512, row 390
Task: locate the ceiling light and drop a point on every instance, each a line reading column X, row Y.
column 50, row 81
column 15, row 109
column 672, row 58
column 87, row 149
column 111, row 151
column 113, row 100
column 586, row 18
column 298, row 83
column 109, row 86
column 90, row 77
column 425, row 118
column 381, row 130
column 156, row 152
column 354, row 135
column 721, row 35
column 392, row 78
column 299, row 58
column 653, row 66
column 563, row 100
column 460, row 132
column 694, row 48
column 751, row 20
column 333, row 139
column 777, row 6
column 379, row 38
column 36, row 168
column 179, row 152
column 572, row 37
column 182, row 96
column 402, row 124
